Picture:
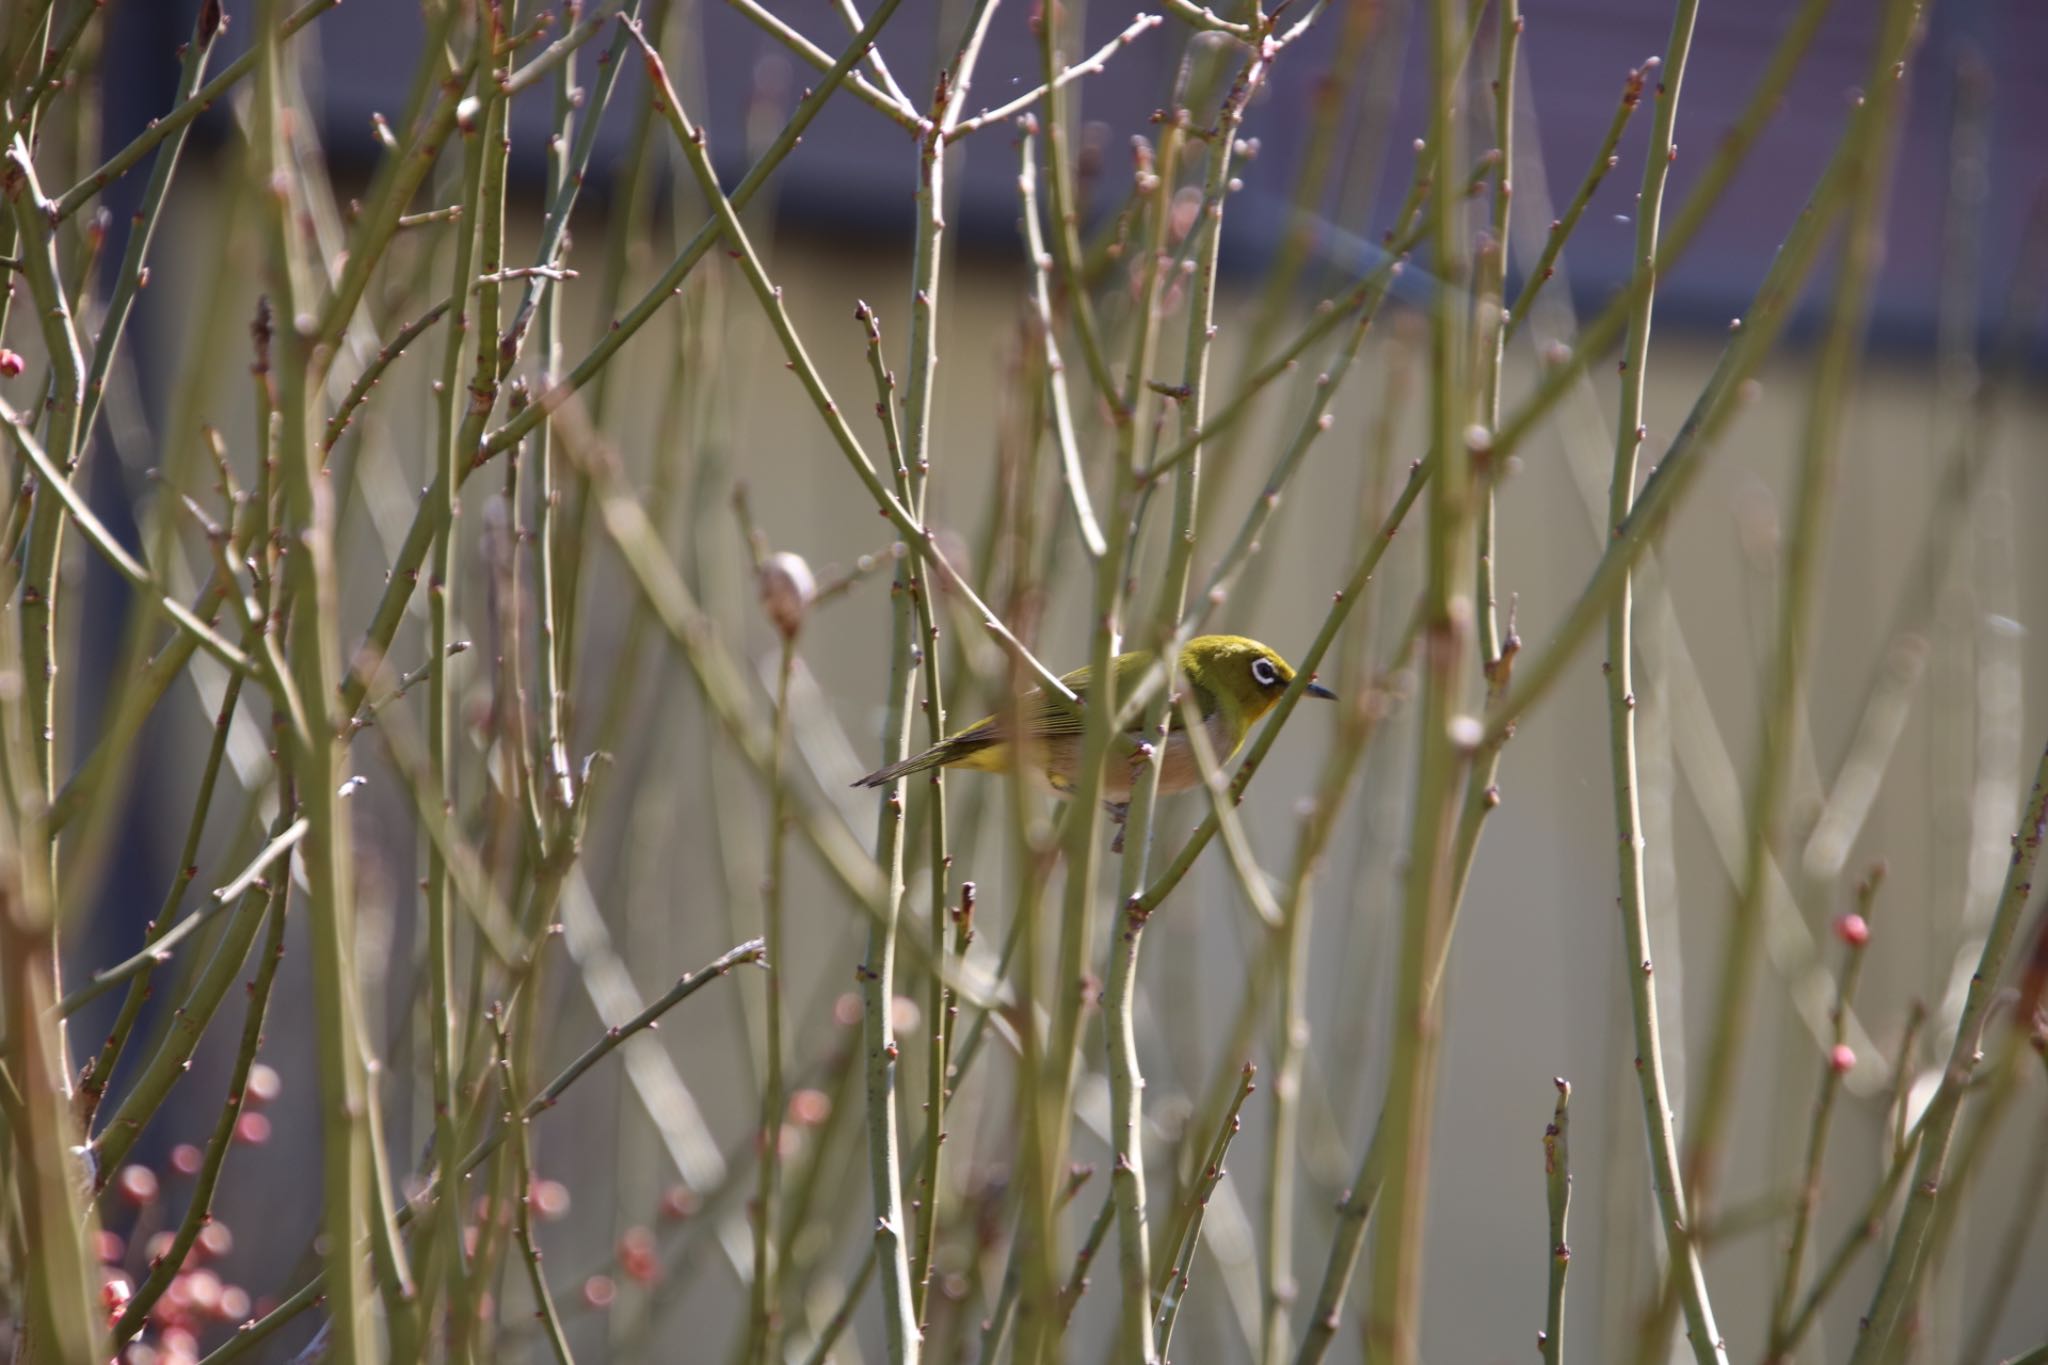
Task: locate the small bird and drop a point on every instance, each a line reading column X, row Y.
column 1234, row 681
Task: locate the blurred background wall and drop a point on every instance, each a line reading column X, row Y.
column 1536, row 980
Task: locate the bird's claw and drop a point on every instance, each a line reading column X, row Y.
column 1119, row 811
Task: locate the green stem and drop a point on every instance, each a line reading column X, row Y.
column 99, row 1072
column 1187, row 1234
column 174, row 121
column 1086, row 67
column 877, row 978
column 1905, row 1266
column 2029, row 1197
column 317, row 759
column 878, row 99
column 199, row 1211
column 1393, row 1315
column 446, row 1264
column 1785, row 702
column 821, row 1352
column 172, row 1060
column 58, row 1309
column 687, row 985
column 1653, row 1087
column 1674, row 475
column 69, row 505
column 1604, row 160
column 522, row 1204
column 1358, row 724
column 1557, row 1182
column 914, row 469
column 1708, row 195
column 1076, row 479
column 1126, row 1080
column 1077, row 1282
column 764, row 1315
column 1083, row 851
column 1063, row 201
column 39, row 264
column 398, row 177
column 1163, row 885
column 134, row 270
column 391, row 607
column 1817, row 1134
column 359, row 391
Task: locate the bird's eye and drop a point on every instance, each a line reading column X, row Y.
column 1263, row 673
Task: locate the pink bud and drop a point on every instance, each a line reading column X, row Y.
column 809, row 1108
column 1852, row 929
column 264, row 1084
column 678, row 1201
column 637, row 1255
column 1842, row 1058
column 137, row 1185
column 10, row 363
column 599, row 1291
column 549, row 1199
column 215, row 1241
column 202, row 1290
column 252, row 1128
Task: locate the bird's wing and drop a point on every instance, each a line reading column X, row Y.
column 1043, row 715
column 1131, row 669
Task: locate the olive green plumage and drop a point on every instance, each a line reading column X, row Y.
column 1232, row 682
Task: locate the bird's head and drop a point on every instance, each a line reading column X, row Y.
column 1244, row 676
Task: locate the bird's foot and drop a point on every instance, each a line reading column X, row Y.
column 1119, row 811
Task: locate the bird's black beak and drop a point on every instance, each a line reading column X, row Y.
column 1316, row 689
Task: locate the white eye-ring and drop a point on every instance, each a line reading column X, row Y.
column 1263, row 673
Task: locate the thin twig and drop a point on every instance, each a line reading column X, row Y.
column 1557, row 1181
column 346, row 1177
column 1862, row 1230
column 255, row 1334
column 1076, row 479
column 199, row 1209
column 880, row 100
column 1187, row 1234
column 1867, row 174
column 133, row 272
column 1898, row 1289
column 842, row 1318
column 345, row 411
column 1703, row 1333
column 522, row 1205
column 1163, row 885
column 1086, row 67
column 280, row 845
column 1857, row 937
column 169, row 1065
column 1604, row 160
column 1077, row 1283
column 177, row 118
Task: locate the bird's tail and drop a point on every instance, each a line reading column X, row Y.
column 916, row 763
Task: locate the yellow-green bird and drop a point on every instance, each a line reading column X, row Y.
column 1233, row 682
